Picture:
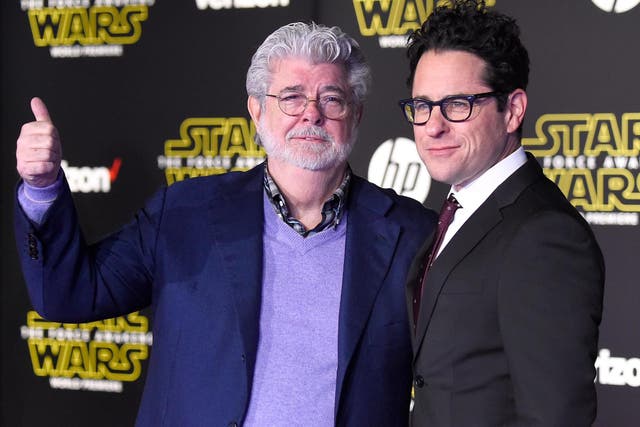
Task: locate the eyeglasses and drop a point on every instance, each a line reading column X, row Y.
column 455, row 108
column 332, row 106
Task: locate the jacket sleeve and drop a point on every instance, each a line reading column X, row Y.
column 70, row 281
column 550, row 305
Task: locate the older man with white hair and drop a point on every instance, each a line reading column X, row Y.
column 277, row 293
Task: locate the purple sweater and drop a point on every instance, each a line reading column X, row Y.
column 296, row 367
column 35, row 201
column 295, row 376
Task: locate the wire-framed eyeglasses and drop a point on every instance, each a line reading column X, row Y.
column 456, row 108
column 332, row 106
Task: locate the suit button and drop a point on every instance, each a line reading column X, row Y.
column 419, row 381
column 233, row 424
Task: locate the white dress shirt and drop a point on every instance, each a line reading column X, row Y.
column 474, row 194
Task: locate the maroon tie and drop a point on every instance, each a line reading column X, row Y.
column 446, row 216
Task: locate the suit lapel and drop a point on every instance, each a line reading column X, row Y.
column 469, row 235
column 472, row 232
column 237, row 225
column 371, row 243
column 414, row 275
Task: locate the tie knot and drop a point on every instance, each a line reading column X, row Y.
column 448, row 210
column 451, row 200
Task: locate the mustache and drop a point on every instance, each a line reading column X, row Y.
column 309, row 131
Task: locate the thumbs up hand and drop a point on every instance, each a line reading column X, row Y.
column 38, row 151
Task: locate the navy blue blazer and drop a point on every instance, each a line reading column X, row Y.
column 194, row 254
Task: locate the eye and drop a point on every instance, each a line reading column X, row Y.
column 420, row 106
column 292, row 98
column 457, row 104
column 332, row 100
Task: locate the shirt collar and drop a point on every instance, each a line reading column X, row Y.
column 472, row 195
column 332, row 210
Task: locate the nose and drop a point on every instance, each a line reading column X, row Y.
column 437, row 124
column 312, row 113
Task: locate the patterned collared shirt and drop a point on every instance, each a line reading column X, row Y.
column 332, row 210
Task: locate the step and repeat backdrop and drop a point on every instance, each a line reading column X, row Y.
column 146, row 93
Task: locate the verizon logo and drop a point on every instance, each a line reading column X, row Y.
column 85, row 179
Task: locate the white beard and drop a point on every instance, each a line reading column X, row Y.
column 311, row 155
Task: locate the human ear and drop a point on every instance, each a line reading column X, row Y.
column 515, row 109
column 255, row 109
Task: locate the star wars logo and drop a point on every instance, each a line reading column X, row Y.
column 96, row 356
column 211, row 146
column 393, row 20
column 595, row 160
column 81, row 28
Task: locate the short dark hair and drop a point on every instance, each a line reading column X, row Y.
column 469, row 26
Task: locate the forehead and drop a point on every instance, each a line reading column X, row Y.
column 443, row 73
column 302, row 74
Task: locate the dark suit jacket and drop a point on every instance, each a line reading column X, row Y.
column 195, row 254
column 508, row 327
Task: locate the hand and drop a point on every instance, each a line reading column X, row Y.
column 38, row 151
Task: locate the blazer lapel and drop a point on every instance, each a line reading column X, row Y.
column 237, row 225
column 472, row 232
column 371, row 242
column 413, row 276
column 480, row 223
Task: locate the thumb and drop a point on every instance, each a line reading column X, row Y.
column 39, row 110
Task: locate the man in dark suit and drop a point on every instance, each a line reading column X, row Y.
column 277, row 294
column 506, row 310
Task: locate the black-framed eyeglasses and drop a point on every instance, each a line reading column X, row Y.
column 332, row 106
column 456, row 108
